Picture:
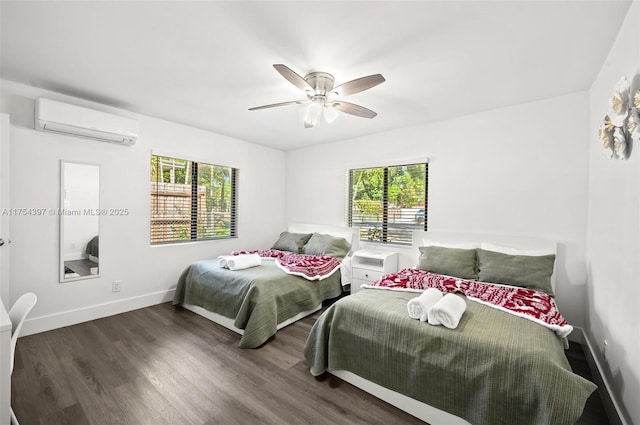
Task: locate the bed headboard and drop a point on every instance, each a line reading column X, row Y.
column 352, row 234
column 532, row 246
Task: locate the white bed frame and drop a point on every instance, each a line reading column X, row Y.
column 340, row 231
column 229, row 323
column 420, row 410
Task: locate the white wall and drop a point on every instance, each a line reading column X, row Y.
column 148, row 273
column 520, row 170
column 613, row 236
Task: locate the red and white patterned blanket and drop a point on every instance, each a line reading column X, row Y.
column 529, row 304
column 311, row 267
column 264, row 253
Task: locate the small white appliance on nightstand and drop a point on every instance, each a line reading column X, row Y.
column 368, row 266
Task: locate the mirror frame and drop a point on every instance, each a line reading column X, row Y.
column 61, row 217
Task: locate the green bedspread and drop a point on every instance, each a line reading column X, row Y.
column 258, row 298
column 494, row 368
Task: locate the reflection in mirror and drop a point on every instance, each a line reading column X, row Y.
column 79, row 221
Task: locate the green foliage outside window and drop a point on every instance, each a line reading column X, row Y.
column 388, row 202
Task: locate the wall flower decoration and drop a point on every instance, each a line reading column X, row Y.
column 620, row 143
column 619, row 103
column 633, row 123
column 621, row 126
column 605, row 133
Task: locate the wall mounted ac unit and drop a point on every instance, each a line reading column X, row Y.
column 63, row 118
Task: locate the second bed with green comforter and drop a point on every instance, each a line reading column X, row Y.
column 494, row 368
column 257, row 298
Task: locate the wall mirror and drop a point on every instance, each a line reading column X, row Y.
column 79, row 221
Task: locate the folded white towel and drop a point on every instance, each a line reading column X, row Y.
column 418, row 306
column 240, row 262
column 224, row 260
column 447, row 311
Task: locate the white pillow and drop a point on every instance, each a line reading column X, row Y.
column 514, row 251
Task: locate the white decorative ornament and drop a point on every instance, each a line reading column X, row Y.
column 620, row 143
column 633, row 124
column 621, row 126
column 606, row 139
column 619, row 103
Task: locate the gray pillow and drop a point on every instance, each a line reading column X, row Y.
column 450, row 261
column 321, row 244
column 528, row 271
column 293, row 242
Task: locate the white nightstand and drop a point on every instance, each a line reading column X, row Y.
column 368, row 265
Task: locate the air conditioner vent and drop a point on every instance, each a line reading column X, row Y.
column 73, row 120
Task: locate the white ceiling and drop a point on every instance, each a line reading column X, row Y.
column 205, row 63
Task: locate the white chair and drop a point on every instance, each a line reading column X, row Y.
column 18, row 313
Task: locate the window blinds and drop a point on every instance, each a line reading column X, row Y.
column 191, row 200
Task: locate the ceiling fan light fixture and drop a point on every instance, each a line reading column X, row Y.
column 330, row 114
column 312, row 116
column 320, row 91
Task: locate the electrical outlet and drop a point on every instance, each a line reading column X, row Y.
column 605, row 349
column 117, row 285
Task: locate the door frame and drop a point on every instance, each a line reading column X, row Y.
column 5, row 227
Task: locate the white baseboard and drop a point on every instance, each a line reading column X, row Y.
column 609, row 402
column 72, row 317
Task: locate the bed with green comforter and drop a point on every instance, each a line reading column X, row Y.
column 257, row 298
column 494, row 368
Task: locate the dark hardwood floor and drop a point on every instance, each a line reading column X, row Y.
column 158, row 365
column 594, row 412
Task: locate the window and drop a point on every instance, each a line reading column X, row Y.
column 191, row 200
column 388, row 203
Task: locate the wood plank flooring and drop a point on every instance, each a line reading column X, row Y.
column 594, row 412
column 159, row 365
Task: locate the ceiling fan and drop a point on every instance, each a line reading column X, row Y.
column 322, row 95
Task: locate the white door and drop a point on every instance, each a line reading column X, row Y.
column 4, row 204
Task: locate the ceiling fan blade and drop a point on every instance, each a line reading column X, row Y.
column 353, row 109
column 358, row 85
column 274, row 105
column 293, row 78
